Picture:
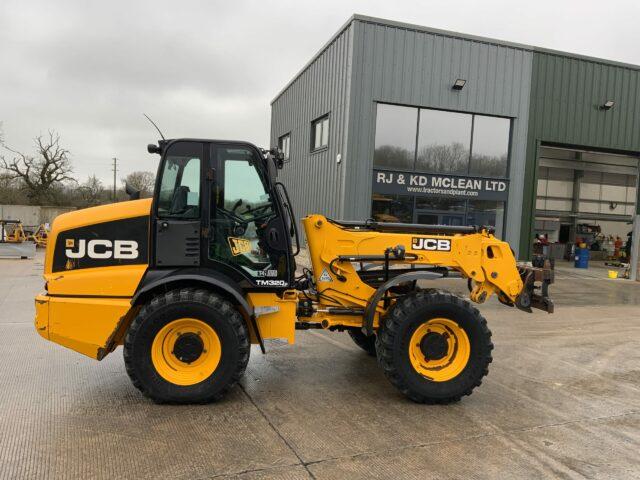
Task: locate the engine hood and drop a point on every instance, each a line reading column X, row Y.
column 100, row 236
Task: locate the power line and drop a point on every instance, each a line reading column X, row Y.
column 115, row 169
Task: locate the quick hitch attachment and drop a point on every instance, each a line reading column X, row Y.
column 535, row 292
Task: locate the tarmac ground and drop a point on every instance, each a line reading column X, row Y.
column 562, row 400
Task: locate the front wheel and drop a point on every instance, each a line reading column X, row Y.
column 434, row 346
column 186, row 346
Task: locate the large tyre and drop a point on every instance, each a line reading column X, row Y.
column 186, row 346
column 434, row 346
column 368, row 344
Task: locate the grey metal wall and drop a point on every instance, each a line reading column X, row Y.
column 405, row 64
column 315, row 179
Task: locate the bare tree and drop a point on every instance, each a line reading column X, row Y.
column 449, row 158
column 10, row 190
column 91, row 191
column 44, row 171
column 143, row 181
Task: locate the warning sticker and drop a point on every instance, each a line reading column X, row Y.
column 325, row 277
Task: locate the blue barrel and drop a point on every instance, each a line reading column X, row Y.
column 582, row 258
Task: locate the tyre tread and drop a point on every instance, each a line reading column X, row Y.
column 392, row 324
column 191, row 295
column 365, row 343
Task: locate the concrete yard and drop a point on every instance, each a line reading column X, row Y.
column 562, row 400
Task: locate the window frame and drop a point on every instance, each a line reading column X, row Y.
column 225, row 176
column 469, row 143
column 415, row 156
column 218, row 194
column 415, row 139
column 509, row 145
column 160, row 177
column 312, row 138
column 281, row 139
column 416, row 211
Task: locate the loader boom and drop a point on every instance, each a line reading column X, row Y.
column 407, row 252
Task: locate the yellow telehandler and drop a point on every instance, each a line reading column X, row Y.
column 188, row 280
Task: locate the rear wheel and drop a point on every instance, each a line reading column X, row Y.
column 368, row 344
column 434, row 346
column 186, row 346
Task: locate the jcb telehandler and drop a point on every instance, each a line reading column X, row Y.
column 186, row 281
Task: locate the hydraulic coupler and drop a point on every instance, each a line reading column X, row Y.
column 535, row 290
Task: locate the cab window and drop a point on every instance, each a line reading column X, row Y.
column 243, row 209
column 179, row 195
column 244, row 192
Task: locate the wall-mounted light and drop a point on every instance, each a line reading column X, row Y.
column 460, row 83
column 608, row 105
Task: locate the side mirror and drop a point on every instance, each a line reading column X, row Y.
column 152, row 148
column 277, row 156
column 132, row 192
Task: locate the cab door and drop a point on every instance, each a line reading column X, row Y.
column 247, row 230
column 178, row 205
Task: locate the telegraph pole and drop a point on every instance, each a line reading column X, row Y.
column 115, row 169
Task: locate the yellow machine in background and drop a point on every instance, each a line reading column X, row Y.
column 13, row 240
column 12, row 231
column 188, row 280
column 40, row 236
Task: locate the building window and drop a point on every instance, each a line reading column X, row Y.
column 395, row 144
column 444, row 142
column 426, row 162
column 320, row 133
column 440, row 204
column 490, row 146
column 486, row 213
column 438, row 141
column 284, row 143
column 440, row 211
column 392, row 208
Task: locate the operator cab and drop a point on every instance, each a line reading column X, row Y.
column 217, row 206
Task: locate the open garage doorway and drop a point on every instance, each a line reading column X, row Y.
column 586, row 199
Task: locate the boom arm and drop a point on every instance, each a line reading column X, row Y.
column 475, row 253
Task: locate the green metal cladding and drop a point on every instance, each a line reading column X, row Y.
column 567, row 93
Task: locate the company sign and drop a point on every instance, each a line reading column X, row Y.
column 439, row 185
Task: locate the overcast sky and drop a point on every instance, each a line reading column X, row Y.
column 89, row 69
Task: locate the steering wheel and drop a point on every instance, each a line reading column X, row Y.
column 258, row 213
column 259, row 208
column 231, row 215
column 236, row 205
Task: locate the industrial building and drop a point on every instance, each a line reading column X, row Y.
column 401, row 122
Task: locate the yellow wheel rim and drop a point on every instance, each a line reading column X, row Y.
column 439, row 349
column 186, row 351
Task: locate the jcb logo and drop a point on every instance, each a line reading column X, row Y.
column 439, row 244
column 102, row 249
column 239, row 246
